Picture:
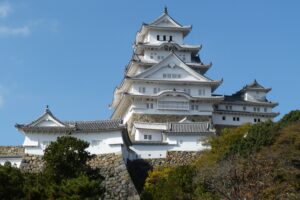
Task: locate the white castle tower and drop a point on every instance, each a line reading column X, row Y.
column 165, row 86
column 165, row 79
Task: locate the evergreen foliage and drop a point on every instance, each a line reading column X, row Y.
column 66, row 176
column 260, row 161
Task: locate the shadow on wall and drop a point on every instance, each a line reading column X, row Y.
column 138, row 170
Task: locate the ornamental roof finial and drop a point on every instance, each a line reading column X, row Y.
column 47, row 108
column 166, row 10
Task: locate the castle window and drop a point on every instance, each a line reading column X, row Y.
column 258, row 119
column 157, row 37
column 164, row 38
column 255, row 120
column 187, row 90
column 194, row 107
column 224, row 118
column 201, row 92
column 265, row 109
column 238, row 119
column 228, row 107
column 169, row 75
column 147, row 137
column 164, row 75
column 142, row 90
column 149, row 155
column 233, row 118
column 244, row 108
column 151, row 55
column 149, row 105
column 171, row 38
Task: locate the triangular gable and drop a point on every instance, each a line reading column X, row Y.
column 165, row 21
column 47, row 120
column 172, row 61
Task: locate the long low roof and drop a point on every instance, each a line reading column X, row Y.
column 177, row 127
column 76, row 126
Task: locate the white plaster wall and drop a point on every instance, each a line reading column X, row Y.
column 205, row 112
column 187, row 142
column 155, row 134
column 16, row 162
column 100, row 143
column 248, row 108
column 253, row 95
column 150, row 151
column 217, row 119
column 194, row 89
column 152, row 36
column 173, row 70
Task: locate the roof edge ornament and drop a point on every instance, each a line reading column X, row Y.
column 166, row 10
column 47, row 110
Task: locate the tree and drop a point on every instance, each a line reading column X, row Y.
column 11, row 182
column 66, row 158
column 67, row 174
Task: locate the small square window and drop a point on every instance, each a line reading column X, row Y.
column 223, row 118
column 171, row 38
column 237, row 119
column 150, row 137
column 157, row 37
column 244, row 108
column 258, row 119
column 265, row 109
column 255, row 120
column 145, row 137
column 164, row 38
column 233, row 118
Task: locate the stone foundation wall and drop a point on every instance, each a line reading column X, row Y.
column 32, row 164
column 11, row 151
column 117, row 182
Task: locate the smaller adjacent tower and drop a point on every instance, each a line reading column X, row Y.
column 249, row 105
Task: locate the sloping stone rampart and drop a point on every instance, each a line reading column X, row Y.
column 117, row 182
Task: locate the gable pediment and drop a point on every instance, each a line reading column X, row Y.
column 171, row 68
column 165, row 21
column 48, row 121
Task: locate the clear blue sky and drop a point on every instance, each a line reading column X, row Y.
column 72, row 54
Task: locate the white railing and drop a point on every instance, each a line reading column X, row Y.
column 173, row 105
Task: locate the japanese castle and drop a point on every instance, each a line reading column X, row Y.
column 165, row 102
